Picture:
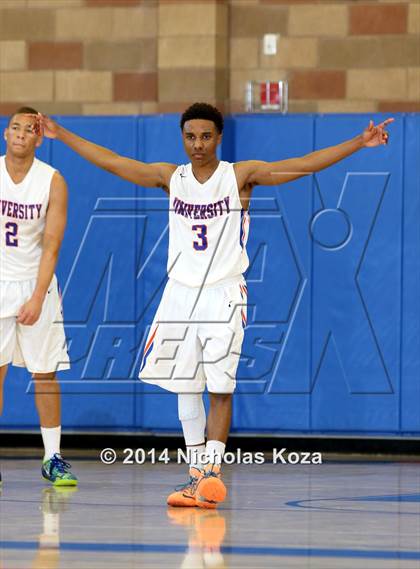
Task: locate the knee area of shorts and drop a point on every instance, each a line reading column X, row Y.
column 190, row 406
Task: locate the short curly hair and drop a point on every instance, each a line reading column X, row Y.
column 23, row 111
column 203, row 111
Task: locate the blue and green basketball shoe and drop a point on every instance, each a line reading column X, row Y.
column 57, row 471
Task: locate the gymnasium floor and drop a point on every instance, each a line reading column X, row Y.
column 337, row 515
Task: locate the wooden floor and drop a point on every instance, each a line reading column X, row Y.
column 339, row 515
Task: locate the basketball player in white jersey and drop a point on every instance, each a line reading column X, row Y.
column 33, row 211
column 195, row 339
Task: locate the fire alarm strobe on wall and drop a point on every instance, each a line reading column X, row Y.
column 266, row 96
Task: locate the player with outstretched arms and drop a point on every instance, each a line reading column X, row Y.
column 196, row 337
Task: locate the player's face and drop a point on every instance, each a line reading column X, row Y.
column 20, row 136
column 201, row 140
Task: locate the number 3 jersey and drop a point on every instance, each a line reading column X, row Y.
column 208, row 229
column 23, row 208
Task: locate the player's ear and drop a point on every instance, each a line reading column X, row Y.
column 5, row 132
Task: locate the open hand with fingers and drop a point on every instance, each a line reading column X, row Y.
column 45, row 126
column 376, row 135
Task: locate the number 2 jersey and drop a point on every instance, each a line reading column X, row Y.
column 208, row 229
column 23, row 208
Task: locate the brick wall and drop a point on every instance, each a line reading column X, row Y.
column 146, row 56
column 79, row 56
column 342, row 56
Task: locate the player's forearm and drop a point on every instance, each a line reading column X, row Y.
column 321, row 159
column 46, row 270
column 98, row 155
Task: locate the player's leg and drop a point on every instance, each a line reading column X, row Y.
column 47, row 400
column 222, row 341
column 43, row 350
column 192, row 415
column 172, row 356
column 48, row 403
column 7, row 346
column 3, row 372
column 218, row 425
column 210, row 489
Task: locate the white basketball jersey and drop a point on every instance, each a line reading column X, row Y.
column 22, row 220
column 208, row 229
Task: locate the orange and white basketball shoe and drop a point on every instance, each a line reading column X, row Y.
column 184, row 495
column 210, row 489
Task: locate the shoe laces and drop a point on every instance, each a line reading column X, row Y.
column 59, row 464
column 191, row 483
column 212, row 473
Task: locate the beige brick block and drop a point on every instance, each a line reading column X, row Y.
column 134, row 23
column 371, row 52
column 413, row 24
column 83, row 86
column 26, row 24
column 318, row 19
column 239, row 79
column 108, row 24
column 302, row 106
column 254, row 21
column 292, row 52
column 191, row 84
column 149, row 108
column 54, row 3
column 199, row 52
column 12, row 55
column 380, row 84
column 111, row 109
column 244, row 53
column 58, row 108
column 22, row 86
column 115, row 56
column 192, row 19
column 13, row 3
column 84, row 23
column 413, row 78
column 346, row 106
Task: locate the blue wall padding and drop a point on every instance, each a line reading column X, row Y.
column 409, row 418
column 333, row 337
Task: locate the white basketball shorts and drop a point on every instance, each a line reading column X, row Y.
column 41, row 348
column 196, row 338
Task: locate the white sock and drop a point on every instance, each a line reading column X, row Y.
column 215, row 451
column 192, row 415
column 196, row 454
column 51, row 437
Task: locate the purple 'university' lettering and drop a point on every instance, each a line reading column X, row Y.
column 19, row 210
column 202, row 211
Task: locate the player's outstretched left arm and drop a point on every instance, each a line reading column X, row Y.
column 55, row 225
column 259, row 173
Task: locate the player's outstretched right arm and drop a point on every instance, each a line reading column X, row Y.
column 155, row 175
